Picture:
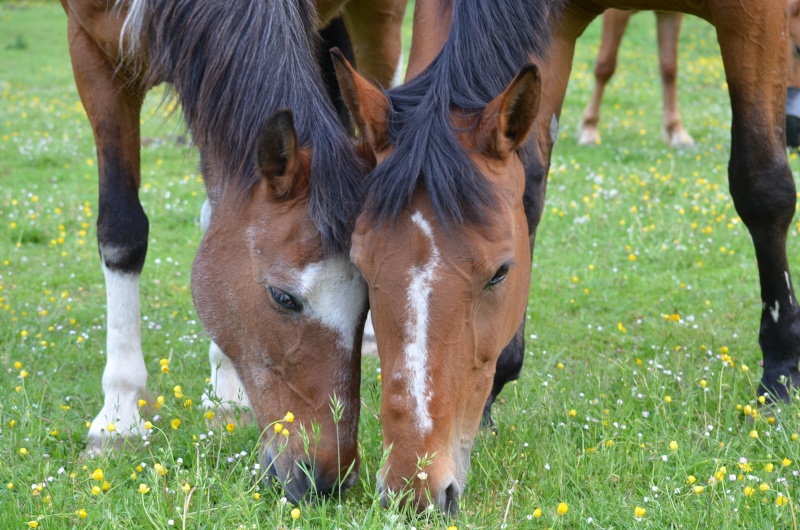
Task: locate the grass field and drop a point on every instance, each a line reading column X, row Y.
column 641, row 365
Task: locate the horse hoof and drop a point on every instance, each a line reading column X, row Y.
column 680, row 139
column 792, row 132
column 588, row 135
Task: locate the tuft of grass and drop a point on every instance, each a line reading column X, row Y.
column 642, row 331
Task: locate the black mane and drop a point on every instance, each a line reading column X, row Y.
column 235, row 62
column 488, row 43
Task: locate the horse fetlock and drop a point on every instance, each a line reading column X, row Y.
column 588, row 134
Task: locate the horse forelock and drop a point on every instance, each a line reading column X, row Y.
column 482, row 54
column 232, row 64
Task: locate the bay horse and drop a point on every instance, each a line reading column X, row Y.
column 668, row 27
column 271, row 281
column 463, row 153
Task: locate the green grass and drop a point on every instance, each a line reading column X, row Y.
column 610, row 336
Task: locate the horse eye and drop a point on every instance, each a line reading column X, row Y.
column 500, row 275
column 284, row 299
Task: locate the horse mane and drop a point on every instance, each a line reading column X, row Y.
column 233, row 63
column 488, row 43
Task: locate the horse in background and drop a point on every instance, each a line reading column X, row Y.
column 463, row 152
column 793, row 88
column 668, row 27
column 272, row 282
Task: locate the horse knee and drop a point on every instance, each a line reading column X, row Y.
column 763, row 192
column 669, row 71
column 122, row 231
column 604, row 69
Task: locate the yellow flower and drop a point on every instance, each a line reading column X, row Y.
column 573, row 413
column 537, row 512
column 256, row 495
column 209, row 414
column 763, row 487
column 175, row 423
column 667, row 399
column 98, row 474
column 277, row 428
column 754, row 434
column 560, row 366
column 105, row 486
column 23, row 374
column 144, row 488
column 703, row 383
column 142, row 403
column 621, row 328
column 111, row 427
column 95, row 490
column 161, row 470
column 691, row 479
column 632, row 257
column 781, row 500
column 762, row 399
column 454, row 527
column 231, row 427
column 769, row 467
column 33, row 524
column 285, row 432
column 23, row 451
column 673, row 445
column 17, row 365
column 186, row 487
column 786, row 462
column 10, row 485
column 148, row 425
column 749, row 491
column 562, row 508
column 699, row 489
column 289, row 418
column 296, row 514
column 81, row 513
column 178, row 392
column 639, row 512
column 745, row 368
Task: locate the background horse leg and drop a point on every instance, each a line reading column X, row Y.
column 754, row 52
column 122, row 228
column 793, row 90
column 614, row 23
column 375, row 28
column 669, row 28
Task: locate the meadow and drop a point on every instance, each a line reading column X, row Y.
column 637, row 405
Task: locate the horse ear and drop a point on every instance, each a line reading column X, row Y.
column 367, row 103
column 507, row 120
column 278, row 154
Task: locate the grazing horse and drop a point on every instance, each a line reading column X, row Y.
column 463, row 153
column 271, row 281
column 668, row 26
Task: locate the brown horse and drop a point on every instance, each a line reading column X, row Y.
column 458, row 187
column 272, row 281
column 668, row 26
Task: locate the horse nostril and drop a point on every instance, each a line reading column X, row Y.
column 451, row 499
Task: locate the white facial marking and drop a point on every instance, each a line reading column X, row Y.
column 416, row 346
column 553, row 128
column 335, row 293
column 125, row 374
column 776, row 311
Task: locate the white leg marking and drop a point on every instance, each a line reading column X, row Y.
column 776, row 311
column 399, row 70
column 416, row 346
column 205, row 216
column 225, row 382
column 125, row 375
column 553, row 128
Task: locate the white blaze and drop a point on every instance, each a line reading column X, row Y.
column 416, row 346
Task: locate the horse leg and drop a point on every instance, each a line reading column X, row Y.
column 754, row 52
column 375, row 28
column 669, row 28
column 122, row 227
column 614, row 23
column 228, row 393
